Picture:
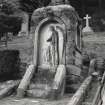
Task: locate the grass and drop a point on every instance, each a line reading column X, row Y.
column 24, row 45
column 95, row 43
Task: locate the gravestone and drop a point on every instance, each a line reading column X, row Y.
column 87, row 28
column 58, row 2
column 55, row 32
column 24, row 25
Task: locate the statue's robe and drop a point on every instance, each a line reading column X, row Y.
column 54, row 48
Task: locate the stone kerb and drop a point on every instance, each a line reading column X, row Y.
column 79, row 95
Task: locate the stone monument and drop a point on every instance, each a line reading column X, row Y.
column 24, row 25
column 55, row 35
column 87, row 28
column 57, row 14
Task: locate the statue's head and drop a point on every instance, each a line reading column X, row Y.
column 52, row 28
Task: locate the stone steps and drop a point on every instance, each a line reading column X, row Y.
column 42, row 89
column 38, row 86
column 71, row 88
column 38, row 93
column 38, row 90
column 41, row 85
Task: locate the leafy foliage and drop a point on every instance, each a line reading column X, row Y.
column 9, row 6
column 9, row 64
column 30, row 5
column 9, row 22
column 98, row 21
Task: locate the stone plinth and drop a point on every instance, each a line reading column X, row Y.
column 87, row 29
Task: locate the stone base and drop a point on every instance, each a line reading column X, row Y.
column 20, row 93
column 87, row 29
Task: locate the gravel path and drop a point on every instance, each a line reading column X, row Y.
column 30, row 101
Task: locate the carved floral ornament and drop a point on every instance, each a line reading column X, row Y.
column 39, row 15
column 66, row 14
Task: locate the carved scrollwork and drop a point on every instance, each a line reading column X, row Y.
column 49, row 12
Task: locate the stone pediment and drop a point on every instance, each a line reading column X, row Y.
column 66, row 12
column 57, row 10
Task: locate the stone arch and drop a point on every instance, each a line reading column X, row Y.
column 37, row 35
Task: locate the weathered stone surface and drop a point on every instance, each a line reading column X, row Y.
column 7, row 88
column 78, row 61
column 74, row 70
column 25, row 81
column 92, row 66
column 58, row 85
column 38, row 86
column 38, row 93
column 64, row 15
column 24, row 25
column 59, row 77
column 79, row 95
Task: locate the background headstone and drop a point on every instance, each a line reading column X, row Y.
column 24, row 26
column 87, row 28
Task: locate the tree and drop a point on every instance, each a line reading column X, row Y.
column 27, row 6
column 9, row 22
column 8, row 19
column 30, row 5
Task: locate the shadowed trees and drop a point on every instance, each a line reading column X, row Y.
column 9, row 21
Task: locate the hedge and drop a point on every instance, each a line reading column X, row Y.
column 9, row 64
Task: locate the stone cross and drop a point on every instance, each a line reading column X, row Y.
column 87, row 20
column 87, row 28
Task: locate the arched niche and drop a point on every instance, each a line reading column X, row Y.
column 41, row 45
column 78, row 57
